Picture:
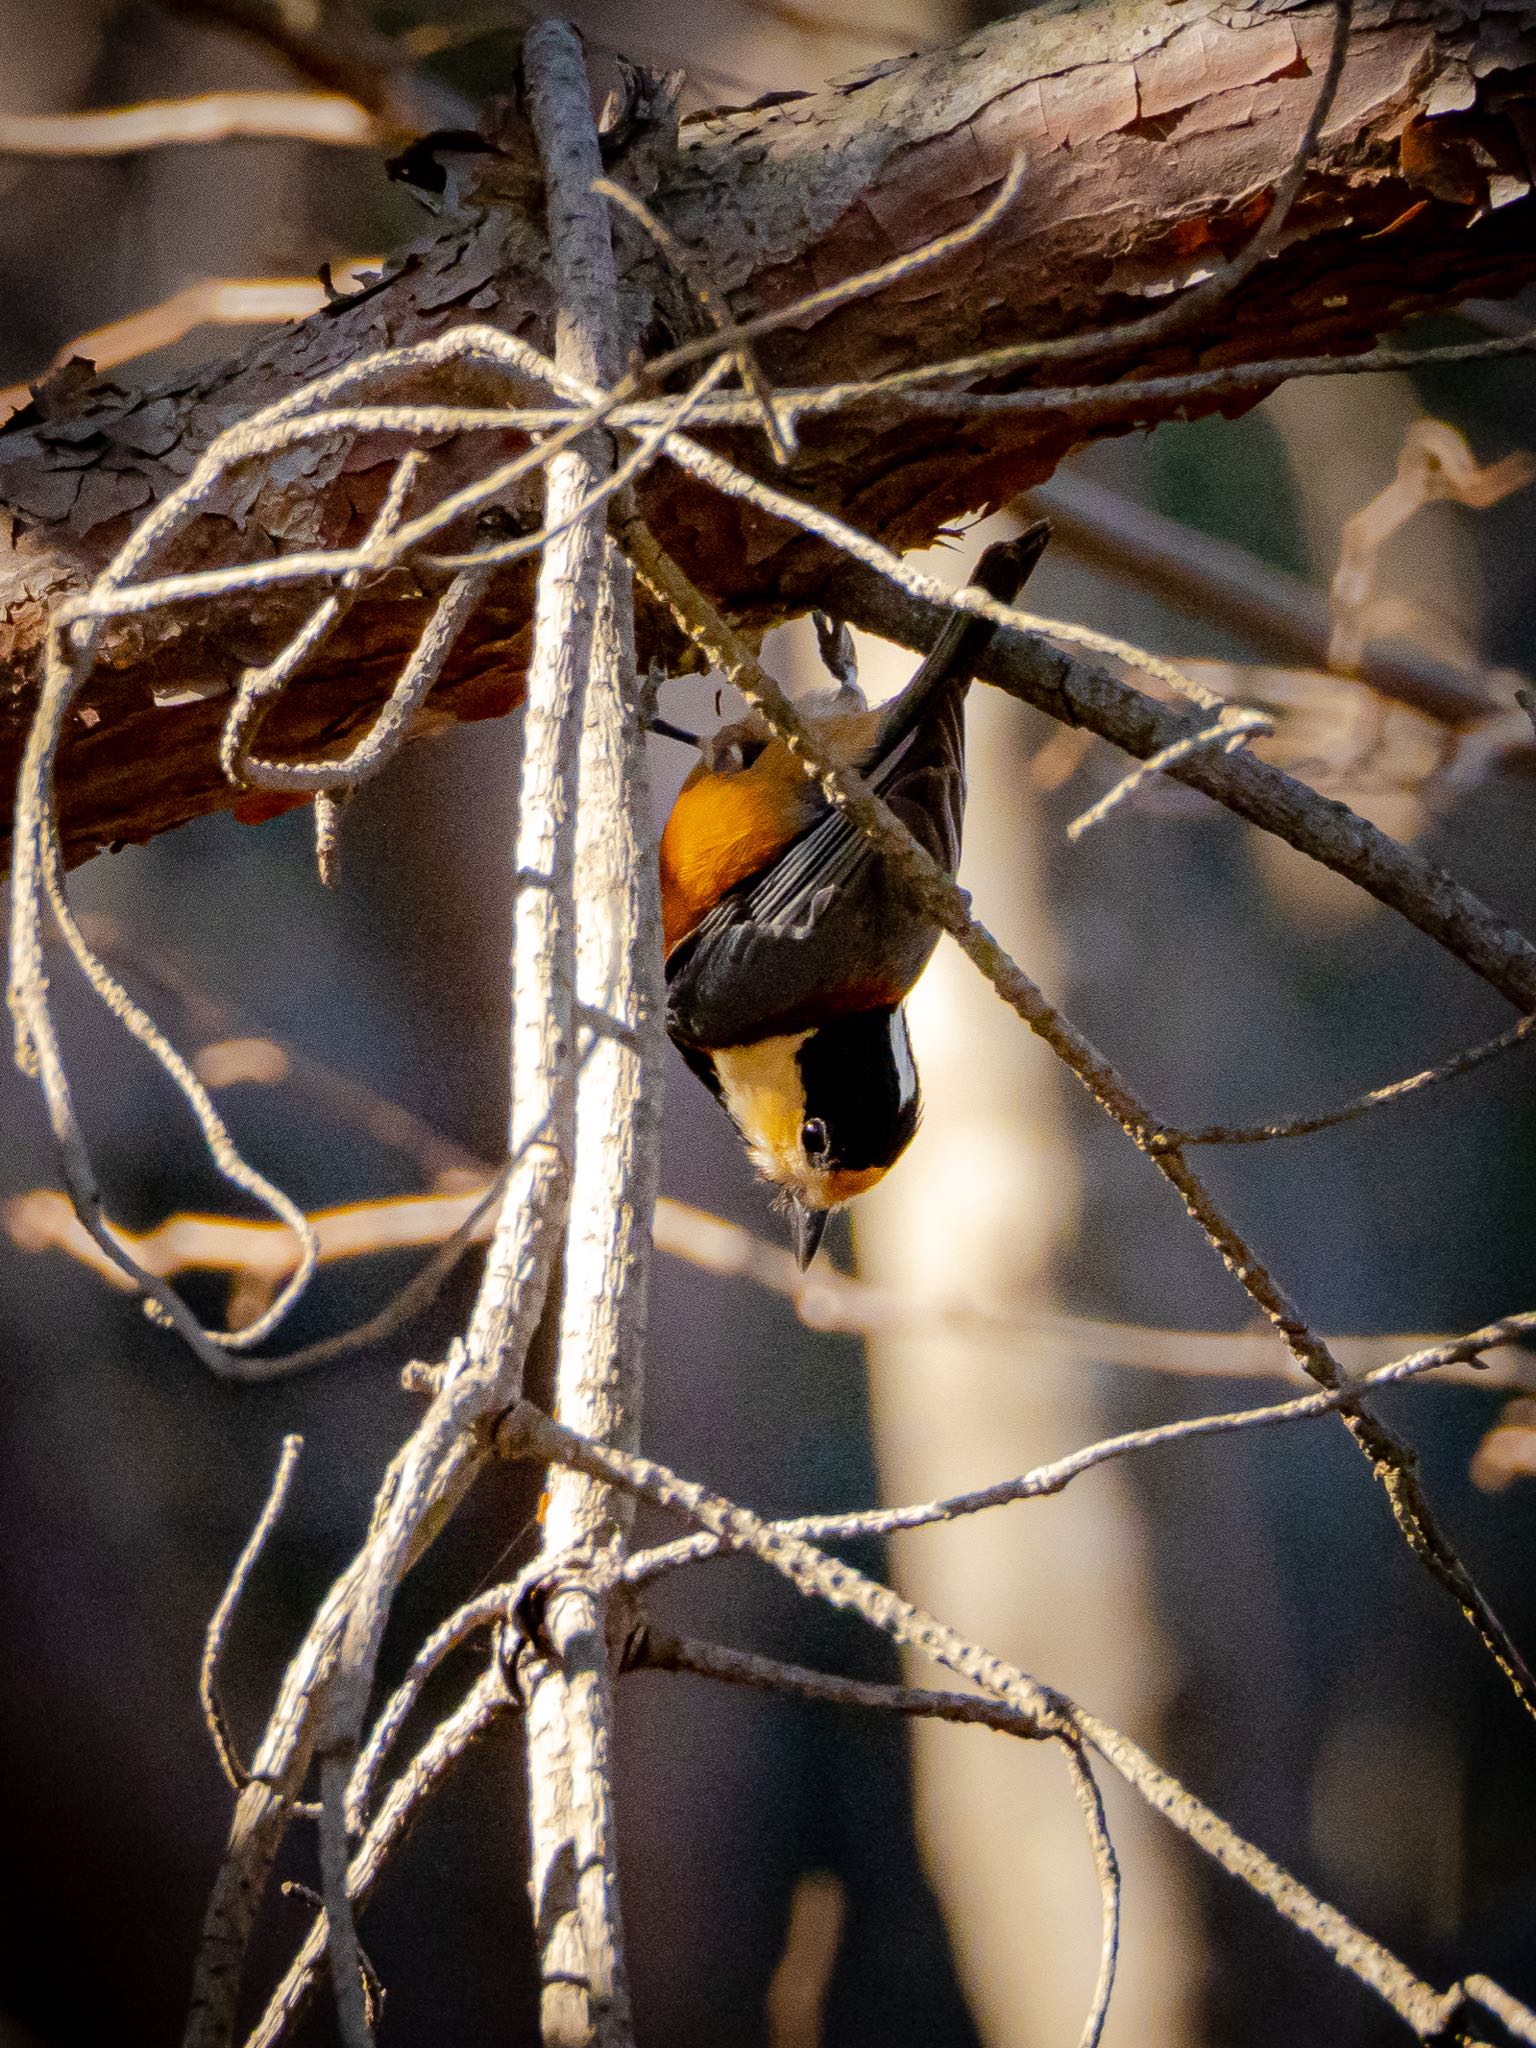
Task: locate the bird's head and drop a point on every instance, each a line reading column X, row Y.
column 824, row 1113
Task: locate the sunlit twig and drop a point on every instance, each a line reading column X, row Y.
column 327, row 117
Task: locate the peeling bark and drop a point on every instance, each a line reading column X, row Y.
column 1153, row 135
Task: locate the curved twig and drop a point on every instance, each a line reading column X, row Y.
column 218, row 1627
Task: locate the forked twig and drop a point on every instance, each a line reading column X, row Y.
column 485, row 1702
column 1037, row 1710
column 653, row 1651
column 1046, row 1480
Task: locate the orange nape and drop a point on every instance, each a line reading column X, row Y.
column 730, row 822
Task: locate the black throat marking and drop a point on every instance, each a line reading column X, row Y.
column 860, row 1080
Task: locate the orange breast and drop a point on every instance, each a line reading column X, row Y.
column 727, row 824
column 723, row 828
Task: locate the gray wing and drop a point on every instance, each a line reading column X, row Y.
column 824, row 930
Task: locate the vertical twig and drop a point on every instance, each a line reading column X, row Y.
column 565, row 1674
column 456, row 1732
column 218, row 1628
column 325, row 1695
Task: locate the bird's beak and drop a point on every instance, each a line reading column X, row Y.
column 810, row 1224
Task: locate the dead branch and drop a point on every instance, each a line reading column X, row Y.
column 218, row 1627
column 1082, row 694
column 1041, row 1709
column 599, row 1371
column 258, row 1256
column 1391, row 1462
column 1284, row 617
column 487, row 1699
column 781, row 197
column 209, row 117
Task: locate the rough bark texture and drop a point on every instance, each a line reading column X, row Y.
column 1153, row 134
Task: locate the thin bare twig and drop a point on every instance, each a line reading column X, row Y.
column 824, row 1298
column 1047, row 1480
column 1128, row 398
column 485, row 1702
column 261, row 1816
column 496, row 1607
column 1463, row 1062
column 1231, row 729
column 349, row 1982
column 37, row 878
column 214, row 1017
column 932, row 891
column 1107, row 1869
column 725, row 476
column 259, row 687
column 1040, row 1709
column 218, row 1627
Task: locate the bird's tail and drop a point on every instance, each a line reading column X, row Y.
column 1002, row 571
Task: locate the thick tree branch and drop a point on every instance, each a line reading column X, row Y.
column 1153, row 137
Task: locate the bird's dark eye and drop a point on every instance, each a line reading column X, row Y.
column 814, row 1137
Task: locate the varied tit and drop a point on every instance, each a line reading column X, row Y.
column 791, row 948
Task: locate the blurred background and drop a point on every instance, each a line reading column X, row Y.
column 796, row 1875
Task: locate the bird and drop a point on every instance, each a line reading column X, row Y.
column 790, row 945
